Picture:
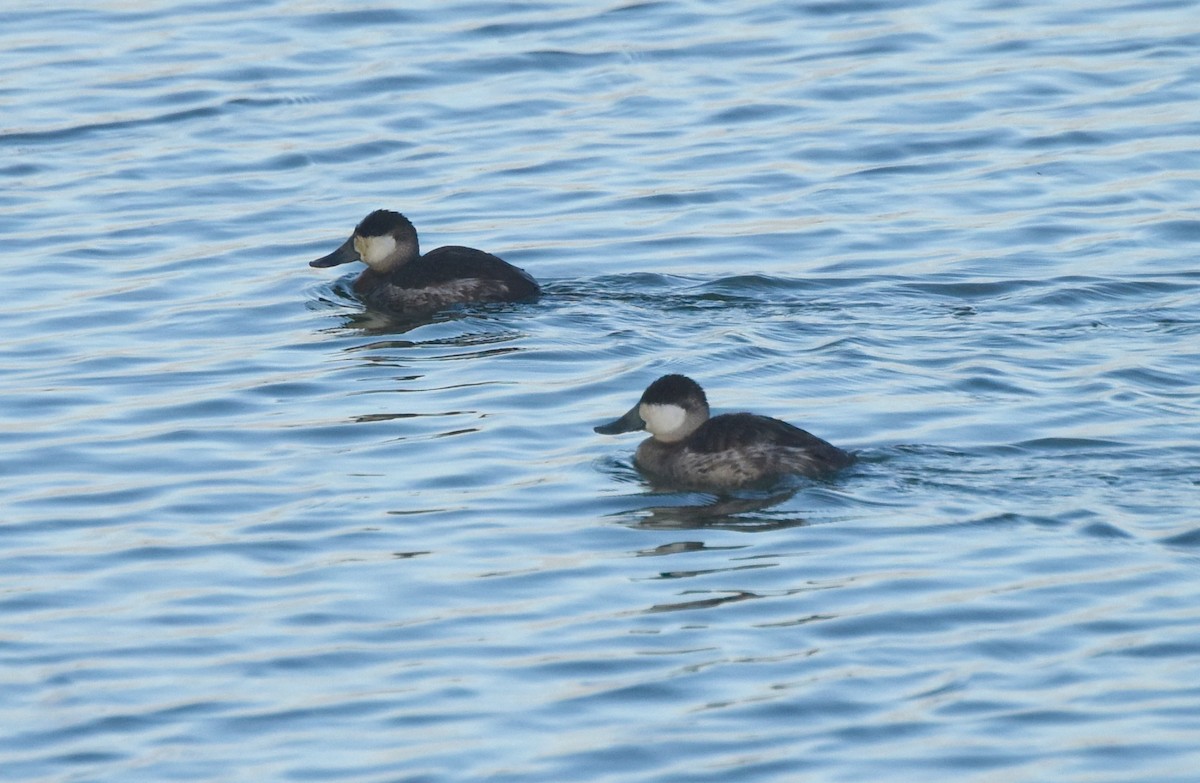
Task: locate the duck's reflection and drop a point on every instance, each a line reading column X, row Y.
column 704, row 603
column 377, row 323
column 722, row 512
column 355, row 318
column 744, row 512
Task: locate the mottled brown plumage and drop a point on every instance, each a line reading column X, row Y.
column 398, row 278
column 689, row 449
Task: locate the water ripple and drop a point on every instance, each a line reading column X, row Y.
column 256, row 531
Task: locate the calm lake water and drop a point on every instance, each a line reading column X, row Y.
column 254, row 533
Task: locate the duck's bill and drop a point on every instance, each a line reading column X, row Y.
column 343, row 255
column 630, row 422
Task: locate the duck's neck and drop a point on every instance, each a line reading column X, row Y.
column 369, row 280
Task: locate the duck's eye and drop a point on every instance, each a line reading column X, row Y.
column 360, row 246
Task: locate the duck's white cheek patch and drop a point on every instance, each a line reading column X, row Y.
column 375, row 250
column 662, row 419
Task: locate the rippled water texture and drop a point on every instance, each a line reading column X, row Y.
column 251, row 532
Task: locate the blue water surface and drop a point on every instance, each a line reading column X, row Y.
column 252, row 531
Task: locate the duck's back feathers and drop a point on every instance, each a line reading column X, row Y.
column 446, row 277
column 455, row 264
column 740, row 449
column 739, row 430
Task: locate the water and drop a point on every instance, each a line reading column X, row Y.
column 252, row 533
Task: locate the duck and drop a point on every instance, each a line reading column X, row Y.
column 688, row 449
column 401, row 280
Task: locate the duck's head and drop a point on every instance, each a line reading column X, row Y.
column 670, row 409
column 383, row 241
